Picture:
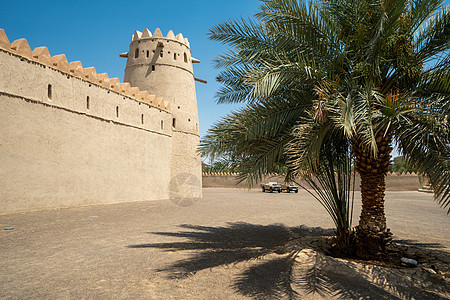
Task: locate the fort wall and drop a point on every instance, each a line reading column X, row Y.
column 394, row 182
column 70, row 136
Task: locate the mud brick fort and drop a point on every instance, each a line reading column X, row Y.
column 70, row 136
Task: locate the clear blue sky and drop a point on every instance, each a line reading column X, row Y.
column 97, row 31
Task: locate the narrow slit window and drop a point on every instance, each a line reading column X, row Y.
column 161, row 54
column 175, row 56
column 162, row 124
column 142, row 118
column 136, row 53
column 117, row 111
column 148, row 53
column 87, row 102
column 174, row 123
column 49, row 91
column 185, row 57
column 153, row 67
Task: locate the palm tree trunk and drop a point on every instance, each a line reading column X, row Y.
column 372, row 235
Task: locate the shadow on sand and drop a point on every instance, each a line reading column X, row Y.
column 287, row 269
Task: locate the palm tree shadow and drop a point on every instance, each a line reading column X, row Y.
column 292, row 262
column 238, row 242
column 291, row 277
column 409, row 242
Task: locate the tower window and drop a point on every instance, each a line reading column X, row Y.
column 49, row 91
column 174, row 123
column 142, row 118
column 175, row 56
column 117, row 111
column 162, row 124
column 148, row 53
column 87, row 102
column 161, row 53
column 185, row 57
column 153, row 67
column 136, row 53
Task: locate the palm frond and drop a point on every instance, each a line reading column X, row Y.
column 255, row 135
column 425, row 141
column 421, row 11
column 433, row 37
column 243, row 33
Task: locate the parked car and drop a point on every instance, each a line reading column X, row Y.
column 289, row 187
column 271, row 187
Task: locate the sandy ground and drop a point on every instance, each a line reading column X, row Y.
column 142, row 250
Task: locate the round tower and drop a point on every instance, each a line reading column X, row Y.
column 163, row 67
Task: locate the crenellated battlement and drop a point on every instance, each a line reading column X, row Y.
column 146, row 34
column 284, row 175
column 150, row 51
column 59, row 62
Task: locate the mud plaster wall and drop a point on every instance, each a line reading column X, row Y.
column 56, row 152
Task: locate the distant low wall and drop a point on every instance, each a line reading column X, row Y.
column 394, row 182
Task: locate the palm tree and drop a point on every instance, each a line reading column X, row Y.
column 371, row 74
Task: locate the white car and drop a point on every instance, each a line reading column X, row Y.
column 271, row 187
column 289, row 187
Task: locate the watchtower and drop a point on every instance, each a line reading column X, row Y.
column 162, row 65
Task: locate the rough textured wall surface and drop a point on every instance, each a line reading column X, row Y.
column 61, row 151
